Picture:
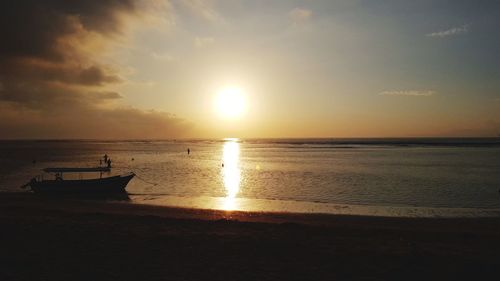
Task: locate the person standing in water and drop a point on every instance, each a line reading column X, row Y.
column 189, row 151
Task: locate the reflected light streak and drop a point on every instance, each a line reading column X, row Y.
column 231, row 172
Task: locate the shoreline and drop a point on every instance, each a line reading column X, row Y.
column 31, row 202
column 53, row 239
column 264, row 206
column 303, row 207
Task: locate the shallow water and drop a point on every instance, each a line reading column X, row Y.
column 406, row 173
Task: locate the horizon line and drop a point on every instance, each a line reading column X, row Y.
column 249, row 138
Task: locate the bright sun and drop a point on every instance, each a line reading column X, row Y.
column 230, row 102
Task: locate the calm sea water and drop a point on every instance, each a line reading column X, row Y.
column 299, row 175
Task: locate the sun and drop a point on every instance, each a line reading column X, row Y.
column 230, row 102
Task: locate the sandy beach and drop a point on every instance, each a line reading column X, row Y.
column 54, row 239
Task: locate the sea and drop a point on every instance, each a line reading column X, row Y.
column 409, row 177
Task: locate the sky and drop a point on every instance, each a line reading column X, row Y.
column 153, row 69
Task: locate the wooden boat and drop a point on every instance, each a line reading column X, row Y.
column 113, row 184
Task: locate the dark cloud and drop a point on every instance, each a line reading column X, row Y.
column 66, row 73
column 107, row 95
column 52, row 83
column 42, row 40
column 31, row 27
column 90, row 123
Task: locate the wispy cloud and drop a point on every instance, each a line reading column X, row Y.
column 413, row 93
column 449, row 32
column 162, row 56
column 205, row 10
column 300, row 15
column 202, row 42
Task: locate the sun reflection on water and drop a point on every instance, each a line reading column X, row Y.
column 231, row 172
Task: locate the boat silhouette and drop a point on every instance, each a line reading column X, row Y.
column 58, row 185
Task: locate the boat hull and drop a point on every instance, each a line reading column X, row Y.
column 115, row 184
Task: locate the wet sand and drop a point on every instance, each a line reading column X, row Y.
column 56, row 239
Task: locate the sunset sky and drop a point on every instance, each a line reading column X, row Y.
column 121, row 69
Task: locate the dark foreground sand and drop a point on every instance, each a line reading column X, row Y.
column 48, row 239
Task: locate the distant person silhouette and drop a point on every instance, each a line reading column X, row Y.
column 105, row 158
column 109, row 162
column 189, row 151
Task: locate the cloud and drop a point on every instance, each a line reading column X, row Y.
column 90, row 123
column 43, row 29
column 66, row 72
column 413, row 93
column 300, row 15
column 162, row 57
column 53, row 78
column 204, row 9
column 449, row 32
column 202, row 42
